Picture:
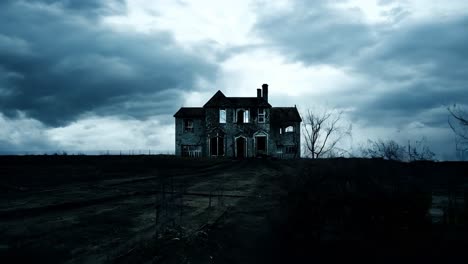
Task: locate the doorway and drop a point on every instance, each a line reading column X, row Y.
column 241, row 147
column 261, row 145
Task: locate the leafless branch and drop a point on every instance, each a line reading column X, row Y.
column 322, row 132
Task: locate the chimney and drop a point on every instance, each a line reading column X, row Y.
column 259, row 93
column 265, row 91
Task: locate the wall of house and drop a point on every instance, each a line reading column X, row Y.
column 207, row 127
column 233, row 130
column 286, row 139
column 197, row 137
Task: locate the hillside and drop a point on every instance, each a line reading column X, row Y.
column 164, row 209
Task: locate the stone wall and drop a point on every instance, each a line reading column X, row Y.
column 210, row 127
column 197, row 137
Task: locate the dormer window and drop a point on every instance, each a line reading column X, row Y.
column 261, row 115
column 222, row 116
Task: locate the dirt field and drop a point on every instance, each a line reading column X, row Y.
column 163, row 209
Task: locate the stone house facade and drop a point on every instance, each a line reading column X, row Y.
column 238, row 127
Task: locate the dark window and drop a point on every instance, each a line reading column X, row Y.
column 217, row 146
column 240, row 116
column 290, row 149
column 188, row 125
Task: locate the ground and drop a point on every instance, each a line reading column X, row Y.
column 166, row 209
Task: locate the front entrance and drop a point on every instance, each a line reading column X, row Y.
column 240, row 147
column 261, row 145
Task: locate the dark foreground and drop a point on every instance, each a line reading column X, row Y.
column 163, row 209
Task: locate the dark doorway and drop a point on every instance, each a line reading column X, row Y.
column 240, row 147
column 220, row 146
column 217, row 146
column 261, row 145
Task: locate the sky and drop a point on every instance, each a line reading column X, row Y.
column 95, row 75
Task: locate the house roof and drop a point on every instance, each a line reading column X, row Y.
column 248, row 102
column 285, row 114
column 190, row 112
column 220, row 100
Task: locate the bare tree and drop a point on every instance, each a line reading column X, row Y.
column 390, row 150
column 322, row 132
column 458, row 122
column 419, row 150
column 461, row 117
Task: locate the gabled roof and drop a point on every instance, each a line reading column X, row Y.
column 190, row 112
column 285, row 114
column 220, row 100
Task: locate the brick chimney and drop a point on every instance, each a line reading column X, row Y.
column 265, row 91
column 259, row 92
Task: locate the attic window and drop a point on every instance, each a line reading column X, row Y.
column 289, row 129
column 188, row 125
column 261, row 115
column 222, row 116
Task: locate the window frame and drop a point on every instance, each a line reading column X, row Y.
column 191, row 150
column 245, row 116
column 187, row 127
column 261, row 114
column 222, row 110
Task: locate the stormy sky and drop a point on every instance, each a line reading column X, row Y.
column 109, row 74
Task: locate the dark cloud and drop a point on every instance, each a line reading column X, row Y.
column 411, row 68
column 315, row 33
column 57, row 64
column 423, row 67
column 88, row 7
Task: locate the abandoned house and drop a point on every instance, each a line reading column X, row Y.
column 238, row 127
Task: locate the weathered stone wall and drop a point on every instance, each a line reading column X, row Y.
column 286, row 139
column 232, row 130
column 210, row 127
column 197, row 137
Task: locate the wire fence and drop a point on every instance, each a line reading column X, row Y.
column 127, row 152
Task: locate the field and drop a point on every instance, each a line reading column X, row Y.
column 164, row 209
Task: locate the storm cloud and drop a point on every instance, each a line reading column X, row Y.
column 56, row 64
column 412, row 69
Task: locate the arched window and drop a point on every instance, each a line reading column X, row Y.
column 242, row 116
column 222, row 116
column 289, row 129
